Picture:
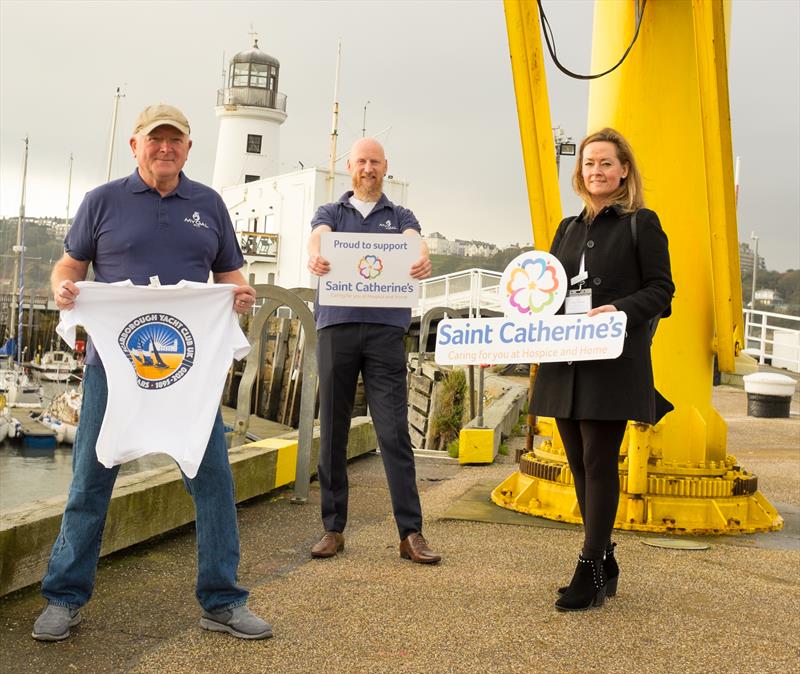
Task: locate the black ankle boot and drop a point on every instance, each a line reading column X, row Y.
column 611, row 569
column 588, row 586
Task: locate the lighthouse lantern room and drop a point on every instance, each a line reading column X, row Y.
column 250, row 110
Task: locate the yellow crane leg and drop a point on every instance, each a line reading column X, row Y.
column 670, row 99
column 533, row 111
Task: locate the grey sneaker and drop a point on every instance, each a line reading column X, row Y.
column 54, row 623
column 241, row 622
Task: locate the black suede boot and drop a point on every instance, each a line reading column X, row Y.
column 588, row 586
column 611, row 568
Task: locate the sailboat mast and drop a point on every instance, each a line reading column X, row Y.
column 117, row 96
column 335, row 124
column 19, row 261
column 69, row 188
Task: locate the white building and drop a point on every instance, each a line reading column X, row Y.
column 271, row 213
column 439, row 245
column 769, row 297
column 479, row 249
column 746, row 256
column 272, row 218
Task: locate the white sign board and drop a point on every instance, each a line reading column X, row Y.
column 369, row 270
column 533, row 288
column 486, row 341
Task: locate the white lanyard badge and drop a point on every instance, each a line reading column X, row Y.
column 579, row 300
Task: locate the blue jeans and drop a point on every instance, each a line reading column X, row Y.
column 73, row 562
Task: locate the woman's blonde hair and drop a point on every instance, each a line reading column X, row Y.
column 629, row 193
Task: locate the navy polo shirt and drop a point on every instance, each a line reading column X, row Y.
column 385, row 218
column 127, row 230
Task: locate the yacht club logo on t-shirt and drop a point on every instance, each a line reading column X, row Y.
column 160, row 347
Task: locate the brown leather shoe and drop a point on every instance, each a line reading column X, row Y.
column 415, row 547
column 327, row 546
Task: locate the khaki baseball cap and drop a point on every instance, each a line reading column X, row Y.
column 156, row 115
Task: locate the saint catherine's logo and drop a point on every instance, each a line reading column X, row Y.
column 160, row 348
column 370, row 267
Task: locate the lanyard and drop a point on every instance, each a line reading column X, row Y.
column 580, row 279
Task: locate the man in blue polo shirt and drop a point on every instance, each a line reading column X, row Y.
column 367, row 340
column 155, row 222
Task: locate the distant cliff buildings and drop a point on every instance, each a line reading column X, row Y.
column 769, row 297
column 439, row 245
column 746, row 259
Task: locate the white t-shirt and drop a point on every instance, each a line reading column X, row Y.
column 166, row 352
column 363, row 207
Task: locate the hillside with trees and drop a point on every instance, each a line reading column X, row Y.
column 43, row 246
column 447, row 264
column 787, row 283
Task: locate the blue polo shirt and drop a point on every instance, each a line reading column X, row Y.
column 385, row 218
column 127, row 230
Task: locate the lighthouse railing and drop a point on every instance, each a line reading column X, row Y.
column 257, row 98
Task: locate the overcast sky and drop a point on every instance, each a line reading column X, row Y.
column 437, row 76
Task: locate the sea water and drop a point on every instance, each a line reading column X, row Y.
column 31, row 474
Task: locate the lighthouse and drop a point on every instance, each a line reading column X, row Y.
column 270, row 211
column 250, row 110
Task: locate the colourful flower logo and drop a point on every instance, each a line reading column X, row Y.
column 532, row 286
column 370, row 266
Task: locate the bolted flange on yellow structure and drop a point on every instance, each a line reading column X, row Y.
column 655, row 495
column 670, row 99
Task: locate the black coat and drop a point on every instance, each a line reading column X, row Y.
column 636, row 280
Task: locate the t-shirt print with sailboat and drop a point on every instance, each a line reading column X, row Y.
column 160, row 347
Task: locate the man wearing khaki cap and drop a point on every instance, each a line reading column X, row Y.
column 154, row 222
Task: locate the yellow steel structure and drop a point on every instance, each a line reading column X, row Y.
column 538, row 147
column 670, row 99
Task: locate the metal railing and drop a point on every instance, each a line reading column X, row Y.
column 774, row 337
column 258, row 98
column 474, row 289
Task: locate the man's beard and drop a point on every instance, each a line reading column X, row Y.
column 368, row 192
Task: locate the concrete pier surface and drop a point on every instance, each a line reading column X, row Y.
column 488, row 606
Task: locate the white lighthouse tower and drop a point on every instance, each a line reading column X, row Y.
column 250, row 111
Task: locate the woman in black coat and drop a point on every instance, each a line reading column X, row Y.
column 616, row 249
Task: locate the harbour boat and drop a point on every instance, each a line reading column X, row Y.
column 9, row 426
column 35, row 435
column 64, row 432
column 20, row 388
column 7, row 365
column 7, row 375
column 62, row 415
column 56, row 365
